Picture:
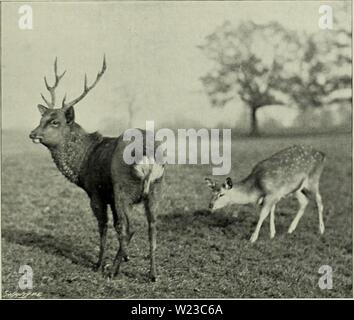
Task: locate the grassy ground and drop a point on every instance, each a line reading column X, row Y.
column 47, row 224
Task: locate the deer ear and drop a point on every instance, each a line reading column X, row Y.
column 70, row 115
column 42, row 109
column 211, row 184
column 228, row 183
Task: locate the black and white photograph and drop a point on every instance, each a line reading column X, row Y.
column 176, row 150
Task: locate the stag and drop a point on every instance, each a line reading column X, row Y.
column 96, row 164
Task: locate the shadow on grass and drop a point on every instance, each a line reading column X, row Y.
column 180, row 220
column 48, row 244
column 59, row 247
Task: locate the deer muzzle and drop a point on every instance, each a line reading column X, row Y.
column 34, row 137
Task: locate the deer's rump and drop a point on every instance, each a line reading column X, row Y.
column 132, row 178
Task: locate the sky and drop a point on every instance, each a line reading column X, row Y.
column 151, row 51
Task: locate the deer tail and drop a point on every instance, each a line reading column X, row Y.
column 148, row 171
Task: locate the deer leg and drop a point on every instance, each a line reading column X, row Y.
column 130, row 233
column 320, row 211
column 120, row 225
column 272, row 222
column 150, row 207
column 100, row 211
column 303, row 201
column 121, row 229
column 266, row 208
column 315, row 189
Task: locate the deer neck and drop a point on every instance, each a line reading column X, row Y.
column 245, row 192
column 71, row 155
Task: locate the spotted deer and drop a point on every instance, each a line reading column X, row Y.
column 295, row 170
column 95, row 163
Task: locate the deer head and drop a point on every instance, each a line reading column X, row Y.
column 57, row 123
column 221, row 195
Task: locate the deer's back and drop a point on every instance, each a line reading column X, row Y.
column 288, row 169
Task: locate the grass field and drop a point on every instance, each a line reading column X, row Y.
column 47, row 224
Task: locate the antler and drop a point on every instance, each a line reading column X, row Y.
column 86, row 87
column 51, row 89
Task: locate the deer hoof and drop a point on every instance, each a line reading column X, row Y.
column 97, row 266
column 291, row 230
column 254, row 237
column 111, row 275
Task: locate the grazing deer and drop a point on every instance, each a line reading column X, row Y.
column 95, row 163
column 295, row 170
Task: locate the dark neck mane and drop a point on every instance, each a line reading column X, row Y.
column 71, row 155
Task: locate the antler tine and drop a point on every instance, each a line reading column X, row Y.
column 87, row 88
column 52, row 88
column 46, row 101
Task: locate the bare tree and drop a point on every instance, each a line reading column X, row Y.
column 249, row 61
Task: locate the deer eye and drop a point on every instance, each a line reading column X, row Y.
column 221, row 195
column 55, row 123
